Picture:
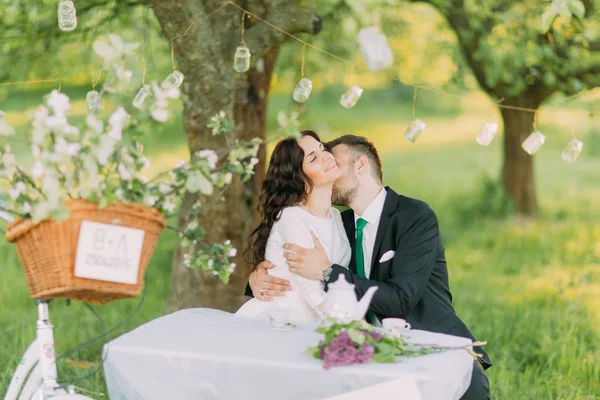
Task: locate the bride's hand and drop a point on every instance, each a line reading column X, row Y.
column 264, row 286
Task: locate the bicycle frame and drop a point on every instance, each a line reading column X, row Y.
column 40, row 359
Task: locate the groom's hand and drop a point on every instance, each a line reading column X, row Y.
column 264, row 286
column 309, row 263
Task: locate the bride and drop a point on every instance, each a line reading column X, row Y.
column 295, row 201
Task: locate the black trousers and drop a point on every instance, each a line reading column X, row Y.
column 479, row 389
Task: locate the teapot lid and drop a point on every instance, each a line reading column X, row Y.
column 341, row 284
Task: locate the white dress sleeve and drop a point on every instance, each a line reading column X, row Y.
column 293, row 228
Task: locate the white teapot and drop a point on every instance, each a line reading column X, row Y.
column 341, row 303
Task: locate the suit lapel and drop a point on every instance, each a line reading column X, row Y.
column 389, row 208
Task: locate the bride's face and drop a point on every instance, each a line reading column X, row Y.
column 318, row 164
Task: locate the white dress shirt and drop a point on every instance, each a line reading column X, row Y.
column 372, row 215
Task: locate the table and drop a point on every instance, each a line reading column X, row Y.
column 210, row 354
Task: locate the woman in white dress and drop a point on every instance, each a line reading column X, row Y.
column 295, row 201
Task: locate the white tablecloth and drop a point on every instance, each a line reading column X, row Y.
column 210, row 354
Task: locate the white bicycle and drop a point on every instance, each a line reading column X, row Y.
column 35, row 377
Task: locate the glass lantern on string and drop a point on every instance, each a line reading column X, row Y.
column 414, row 130
column 572, row 151
column 67, row 16
column 241, row 60
column 174, row 80
column 302, row 90
column 141, row 96
column 93, row 102
column 351, row 97
column 487, row 133
column 533, row 142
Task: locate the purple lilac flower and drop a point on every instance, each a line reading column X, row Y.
column 342, row 351
column 376, row 336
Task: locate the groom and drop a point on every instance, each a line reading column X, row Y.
column 396, row 246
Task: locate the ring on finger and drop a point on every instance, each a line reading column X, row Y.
column 262, row 292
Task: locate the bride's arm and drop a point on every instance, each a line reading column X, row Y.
column 293, row 228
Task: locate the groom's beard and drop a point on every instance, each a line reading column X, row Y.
column 343, row 197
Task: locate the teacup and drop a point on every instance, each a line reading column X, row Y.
column 279, row 317
column 395, row 326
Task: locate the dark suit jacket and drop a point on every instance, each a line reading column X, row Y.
column 414, row 283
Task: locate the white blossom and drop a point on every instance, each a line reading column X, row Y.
column 114, row 49
column 253, row 162
column 227, row 178
column 6, row 129
column 118, row 119
column 160, row 114
column 210, row 263
column 180, row 163
column 95, row 123
column 164, row 188
column 231, row 267
column 27, row 208
column 125, row 174
column 149, row 200
column 169, row 204
column 232, row 252
column 105, row 149
column 227, row 242
column 62, row 147
column 210, row 156
column 119, row 193
column 38, row 170
column 17, row 190
column 59, row 103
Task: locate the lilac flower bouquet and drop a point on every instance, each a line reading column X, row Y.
column 357, row 342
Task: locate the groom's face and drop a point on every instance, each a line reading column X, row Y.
column 346, row 186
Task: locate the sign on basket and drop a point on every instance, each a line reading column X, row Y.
column 108, row 252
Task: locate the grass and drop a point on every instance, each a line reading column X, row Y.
column 530, row 288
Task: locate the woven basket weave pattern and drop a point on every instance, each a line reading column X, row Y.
column 47, row 251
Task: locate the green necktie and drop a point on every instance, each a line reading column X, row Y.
column 360, row 259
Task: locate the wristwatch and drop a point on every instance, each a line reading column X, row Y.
column 327, row 274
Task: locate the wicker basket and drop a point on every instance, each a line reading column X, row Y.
column 47, row 251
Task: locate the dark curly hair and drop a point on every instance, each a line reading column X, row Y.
column 285, row 185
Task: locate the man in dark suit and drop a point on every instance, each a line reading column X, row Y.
column 396, row 246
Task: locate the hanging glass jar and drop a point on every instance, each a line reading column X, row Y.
column 67, row 16
column 241, row 60
column 141, row 96
column 533, row 142
column 351, row 97
column 175, row 79
column 93, row 102
column 487, row 133
column 414, row 130
column 302, row 90
column 572, row 151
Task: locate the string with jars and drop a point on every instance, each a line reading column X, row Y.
column 374, row 49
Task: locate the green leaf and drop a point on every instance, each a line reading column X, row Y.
column 383, row 357
column 192, row 183
column 577, row 7
column 546, row 20
column 357, row 336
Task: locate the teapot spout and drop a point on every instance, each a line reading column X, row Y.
column 363, row 304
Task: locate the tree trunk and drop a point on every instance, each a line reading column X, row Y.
column 205, row 57
column 517, row 170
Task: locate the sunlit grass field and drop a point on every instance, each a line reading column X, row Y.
column 529, row 288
